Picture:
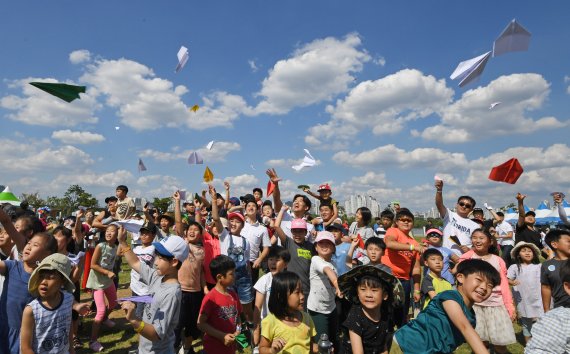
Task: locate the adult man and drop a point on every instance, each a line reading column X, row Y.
column 525, row 230
column 456, row 225
column 301, row 204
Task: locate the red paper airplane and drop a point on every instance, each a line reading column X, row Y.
column 509, row 172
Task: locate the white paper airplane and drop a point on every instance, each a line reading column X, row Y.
column 183, row 56
column 494, row 104
column 471, row 69
column 514, row 38
column 195, row 159
column 210, row 144
column 308, row 161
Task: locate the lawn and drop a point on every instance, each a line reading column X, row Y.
column 122, row 338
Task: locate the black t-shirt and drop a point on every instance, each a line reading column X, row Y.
column 527, row 235
column 374, row 335
column 550, row 275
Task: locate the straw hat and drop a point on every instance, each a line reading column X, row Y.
column 515, row 251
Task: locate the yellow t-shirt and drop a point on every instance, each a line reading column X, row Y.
column 433, row 283
column 297, row 339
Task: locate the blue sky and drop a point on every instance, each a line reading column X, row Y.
column 364, row 86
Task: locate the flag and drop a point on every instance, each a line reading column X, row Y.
column 508, row 172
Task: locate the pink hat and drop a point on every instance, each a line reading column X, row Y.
column 325, row 236
column 236, row 215
column 434, row 231
column 299, row 224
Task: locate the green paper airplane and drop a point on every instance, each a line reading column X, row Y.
column 64, row 91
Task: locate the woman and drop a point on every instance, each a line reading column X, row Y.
column 360, row 226
column 402, row 255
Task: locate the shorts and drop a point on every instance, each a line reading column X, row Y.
column 526, row 324
column 188, row 320
column 494, row 325
column 243, row 287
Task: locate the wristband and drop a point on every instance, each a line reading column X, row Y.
column 140, row 327
column 411, row 247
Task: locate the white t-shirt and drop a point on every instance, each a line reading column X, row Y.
column 286, row 226
column 263, row 286
column 502, row 230
column 322, row 293
column 527, row 294
column 257, row 235
column 146, row 255
column 225, row 242
column 453, row 224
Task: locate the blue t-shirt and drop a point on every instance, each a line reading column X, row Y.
column 339, row 258
column 14, row 298
column 445, row 272
column 432, row 331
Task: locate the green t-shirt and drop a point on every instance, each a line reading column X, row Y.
column 432, row 331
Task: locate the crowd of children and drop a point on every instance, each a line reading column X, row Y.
column 264, row 274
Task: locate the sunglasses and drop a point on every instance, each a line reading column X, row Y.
column 465, row 205
column 406, row 220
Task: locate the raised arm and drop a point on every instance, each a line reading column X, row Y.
column 178, row 214
column 439, row 198
column 561, row 212
column 227, row 202
column 15, row 235
column 204, row 200
column 311, row 193
column 215, row 212
column 77, row 231
column 278, row 230
column 520, row 201
column 277, row 202
column 126, row 251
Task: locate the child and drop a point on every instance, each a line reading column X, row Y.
column 433, row 283
column 101, row 281
column 551, row 334
column 15, row 294
column 299, row 248
column 326, row 213
column 323, row 277
column 324, row 198
column 160, row 317
column 524, row 276
column 46, row 321
column 287, row 328
column 434, row 238
column 496, row 313
column 369, row 325
column 192, row 279
column 552, row 286
column 145, row 253
column 341, row 249
column 220, row 310
column 386, row 221
column 277, row 261
column 372, row 254
column 125, row 205
column 448, row 320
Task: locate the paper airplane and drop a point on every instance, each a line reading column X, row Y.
column 494, row 104
column 270, row 188
column 208, row 175
column 471, row 69
column 194, row 108
column 195, row 159
column 514, row 38
column 210, row 144
column 508, row 172
column 141, row 166
column 117, row 128
column 76, row 259
column 66, row 92
column 437, row 178
column 183, row 56
column 253, row 168
column 131, row 225
column 308, row 161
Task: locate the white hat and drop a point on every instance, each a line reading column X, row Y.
column 172, row 246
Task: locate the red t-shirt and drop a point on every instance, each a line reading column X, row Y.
column 223, row 312
column 400, row 261
column 211, row 251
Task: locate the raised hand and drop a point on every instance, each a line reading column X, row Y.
column 520, row 197
column 272, row 174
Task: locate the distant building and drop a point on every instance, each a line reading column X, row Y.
column 356, row 201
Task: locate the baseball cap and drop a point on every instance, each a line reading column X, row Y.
column 477, row 210
column 234, row 201
column 149, row 226
column 325, row 236
column 236, row 214
column 324, row 187
column 434, row 231
column 530, row 212
column 111, row 199
column 335, row 226
column 172, row 246
column 57, row 262
column 247, row 198
column 299, row 224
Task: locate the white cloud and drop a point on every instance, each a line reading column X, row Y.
column 315, row 72
column 218, row 153
column 469, row 118
column 79, row 56
column 37, row 107
column 70, row 137
column 390, row 155
column 252, row 65
column 380, row 60
column 566, row 80
column 383, row 106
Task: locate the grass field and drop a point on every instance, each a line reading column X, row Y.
column 122, row 338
